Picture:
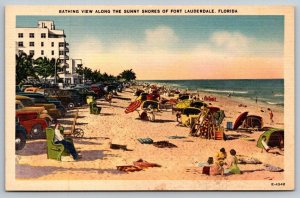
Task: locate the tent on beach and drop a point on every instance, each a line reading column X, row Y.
column 272, row 138
column 248, row 121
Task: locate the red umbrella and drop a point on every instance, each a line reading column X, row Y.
column 239, row 121
column 133, row 106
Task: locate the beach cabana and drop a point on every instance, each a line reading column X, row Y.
column 271, row 138
column 248, row 121
column 253, row 121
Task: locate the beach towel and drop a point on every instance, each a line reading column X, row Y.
column 272, row 168
column 144, row 164
column 248, row 160
column 176, row 137
column 145, row 140
column 129, row 168
column 164, row 144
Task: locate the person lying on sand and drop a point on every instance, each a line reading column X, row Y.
column 59, row 139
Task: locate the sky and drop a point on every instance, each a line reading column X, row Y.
column 175, row 47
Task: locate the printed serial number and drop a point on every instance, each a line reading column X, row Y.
column 277, row 184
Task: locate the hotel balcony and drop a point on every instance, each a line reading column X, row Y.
column 64, row 57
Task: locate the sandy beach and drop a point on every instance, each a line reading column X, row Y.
column 114, row 126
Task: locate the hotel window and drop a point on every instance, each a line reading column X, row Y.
column 31, row 52
column 42, row 44
column 31, row 44
column 61, row 53
column 20, row 35
column 52, row 52
column 31, row 35
column 52, row 44
column 20, row 44
column 42, row 52
column 43, row 35
column 61, row 44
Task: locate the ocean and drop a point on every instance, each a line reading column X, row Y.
column 270, row 91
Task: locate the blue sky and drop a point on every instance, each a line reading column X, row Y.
column 163, row 37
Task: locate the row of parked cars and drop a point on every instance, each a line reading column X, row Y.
column 37, row 108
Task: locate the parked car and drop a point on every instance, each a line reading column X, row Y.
column 20, row 139
column 68, row 100
column 98, row 89
column 27, row 101
column 35, row 127
column 110, row 89
column 40, row 110
column 79, row 99
column 39, row 98
column 85, row 92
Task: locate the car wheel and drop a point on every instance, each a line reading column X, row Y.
column 36, row 131
column 20, row 141
column 71, row 105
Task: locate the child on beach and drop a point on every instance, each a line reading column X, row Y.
column 221, row 156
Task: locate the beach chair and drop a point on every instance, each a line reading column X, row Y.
column 94, row 109
column 55, row 151
column 75, row 132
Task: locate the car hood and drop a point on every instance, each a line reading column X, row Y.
column 46, row 105
column 35, row 109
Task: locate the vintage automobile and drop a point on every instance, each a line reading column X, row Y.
column 35, row 127
column 34, row 90
column 27, row 101
column 68, row 100
column 85, row 92
column 79, row 99
column 20, row 139
column 40, row 110
column 98, row 89
column 39, row 98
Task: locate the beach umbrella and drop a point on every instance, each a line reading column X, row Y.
column 133, row 106
column 183, row 104
column 239, row 121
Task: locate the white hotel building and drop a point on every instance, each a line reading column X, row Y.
column 46, row 41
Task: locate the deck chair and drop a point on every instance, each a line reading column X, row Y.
column 94, row 109
column 55, row 151
column 75, row 132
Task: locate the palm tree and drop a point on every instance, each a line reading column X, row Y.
column 128, row 75
column 24, row 67
column 45, row 67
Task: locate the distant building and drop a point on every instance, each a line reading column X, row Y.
column 46, row 41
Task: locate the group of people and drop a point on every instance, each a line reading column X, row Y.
column 223, row 165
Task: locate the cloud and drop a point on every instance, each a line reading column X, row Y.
column 160, row 37
column 230, row 40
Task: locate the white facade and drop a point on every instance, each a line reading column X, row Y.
column 46, row 41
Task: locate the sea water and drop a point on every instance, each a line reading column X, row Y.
column 270, row 91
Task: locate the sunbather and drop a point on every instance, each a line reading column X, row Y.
column 221, row 156
column 231, row 164
column 59, row 139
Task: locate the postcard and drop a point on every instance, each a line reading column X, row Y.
column 108, row 98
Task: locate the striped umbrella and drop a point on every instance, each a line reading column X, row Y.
column 133, row 106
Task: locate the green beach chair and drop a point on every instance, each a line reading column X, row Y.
column 55, row 151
